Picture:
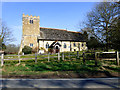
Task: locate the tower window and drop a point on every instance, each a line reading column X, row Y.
column 31, row 44
column 31, row 21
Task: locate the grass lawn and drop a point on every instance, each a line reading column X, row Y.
column 73, row 68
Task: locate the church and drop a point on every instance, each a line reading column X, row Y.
column 41, row 37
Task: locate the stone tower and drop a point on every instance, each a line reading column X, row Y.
column 30, row 31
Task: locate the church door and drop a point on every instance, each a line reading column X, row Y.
column 57, row 49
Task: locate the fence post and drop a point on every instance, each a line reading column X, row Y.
column 95, row 59
column 117, row 57
column 83, row 57
column 2, row 59
column 35, row 57
column 62, row 56
column 69, row 55
column 48, row 57
column 77, row 54
column 19, row 58
column 58, row 55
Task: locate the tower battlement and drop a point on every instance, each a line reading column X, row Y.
column 30, row 16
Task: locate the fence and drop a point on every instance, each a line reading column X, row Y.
column 96, row 56
column 37, row 56
column 59, row 56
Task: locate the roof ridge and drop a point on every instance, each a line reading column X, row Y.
column 54, row 28
column 61, row 30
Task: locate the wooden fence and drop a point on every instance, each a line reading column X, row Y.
column 96, row 56
column 62, row 56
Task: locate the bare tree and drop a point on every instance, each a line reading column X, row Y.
column 5, row 34
column 12, row 49
column 100, row 19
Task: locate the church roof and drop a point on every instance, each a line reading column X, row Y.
column 59, row 34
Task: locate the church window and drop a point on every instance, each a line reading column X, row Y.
column 65, row 45
column 47, row 45
column 78, row 45
column 74, row 45
column 31, row 44
column 69, row 46
column 31, row 21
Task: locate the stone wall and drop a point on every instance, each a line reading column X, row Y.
column 30, row 31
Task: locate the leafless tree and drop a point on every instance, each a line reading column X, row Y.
column 100, row 19
column 6, row 35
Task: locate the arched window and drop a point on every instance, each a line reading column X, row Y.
column 78, row 45
column 74, row 44
column 47, row 45
column 31, row 21
column 65, row 45
column 69, row 46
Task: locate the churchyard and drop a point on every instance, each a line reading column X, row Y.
column 63, row 65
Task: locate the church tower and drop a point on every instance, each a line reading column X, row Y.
column 30, row 31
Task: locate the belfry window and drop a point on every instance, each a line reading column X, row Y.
column 31, row 21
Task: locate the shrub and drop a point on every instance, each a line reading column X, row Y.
column 27, row 50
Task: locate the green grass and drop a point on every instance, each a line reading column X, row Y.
column 72, row 63
column 29, row 67
column 28, row 56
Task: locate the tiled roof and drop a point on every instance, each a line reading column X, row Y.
column 59, row 34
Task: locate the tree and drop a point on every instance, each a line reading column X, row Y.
column 115, row 35
column 85, row 35
column 100, row 19
column 11, row 49
column 93, row 43
column 5, row 34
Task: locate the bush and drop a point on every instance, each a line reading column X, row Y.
column 27, row 50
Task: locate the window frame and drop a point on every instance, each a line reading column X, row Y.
column 65, row 46
column 31, row 44
column 31, row 21
column 47, row 45
column 74, row 44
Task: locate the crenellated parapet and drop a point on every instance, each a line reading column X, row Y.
column 30, row 17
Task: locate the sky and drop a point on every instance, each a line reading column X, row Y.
column 61, row 15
